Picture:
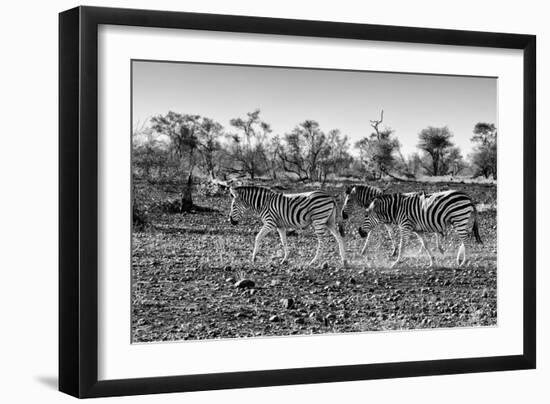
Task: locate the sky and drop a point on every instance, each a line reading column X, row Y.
column 346, row 100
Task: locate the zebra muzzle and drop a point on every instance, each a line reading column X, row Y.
column 344, row 215
column 233, row 221
column 362, row 233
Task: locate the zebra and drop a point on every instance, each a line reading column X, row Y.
column 287, row 211
column 431, row 213
column 363, row 195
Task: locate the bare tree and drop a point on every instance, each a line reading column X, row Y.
column 183, row 131
column 248, row 144
column 378, row 150
column 303, row 150
column 335, row 157
column 210, row 133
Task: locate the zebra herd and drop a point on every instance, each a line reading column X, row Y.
column 412, row 213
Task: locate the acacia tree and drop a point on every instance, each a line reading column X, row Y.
column 484, row 156
column 335, row 157
column 247, row 146
column 436, row 145
column 194, row 141
column 453, row 163
column 378, row 150
column 209, row 136
column 303, row 150
column 148, row 152
column 182, row 129
column 273, row 161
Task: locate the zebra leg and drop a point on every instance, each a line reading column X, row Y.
column 423, row 247
column 393, row 244
column 282, row 235
column 264, row 231
column 462, row 250
column 438, row 244
column 336, row 235
column 318, row 252
column 364, row 249
column 403, row 236
column 319, row 232
column 422, row 243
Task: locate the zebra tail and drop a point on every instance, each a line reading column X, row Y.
column 475, row 228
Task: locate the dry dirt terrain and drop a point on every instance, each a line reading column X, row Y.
column 192, row 277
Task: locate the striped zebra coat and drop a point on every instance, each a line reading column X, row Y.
column 362, row 196
column 287, row 211
column 420, row 213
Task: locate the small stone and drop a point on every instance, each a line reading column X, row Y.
column 352, row 281
column 244, row 283
column 231, row 279
column 287, row 303
column 274, row 319
column 325, row 265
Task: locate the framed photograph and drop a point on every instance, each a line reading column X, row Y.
column 251, row 201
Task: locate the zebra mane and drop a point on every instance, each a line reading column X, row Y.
column 369, row 187
column 254, row 195
column 244, row 188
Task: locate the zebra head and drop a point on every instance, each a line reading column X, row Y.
column 238, row 207
column 370, row 221
column 351, row 193
column 361, row 195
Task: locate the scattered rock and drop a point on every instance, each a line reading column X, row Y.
column 244, row 283
column 287, row 303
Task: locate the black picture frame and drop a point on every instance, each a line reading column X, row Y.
column 78, row 201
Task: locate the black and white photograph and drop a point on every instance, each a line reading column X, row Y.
column 274, row 201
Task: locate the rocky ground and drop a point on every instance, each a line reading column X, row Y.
column 192, row 277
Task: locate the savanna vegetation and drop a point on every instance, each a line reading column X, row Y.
column 191, row 272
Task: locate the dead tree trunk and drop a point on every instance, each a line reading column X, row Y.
column 187, row 195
